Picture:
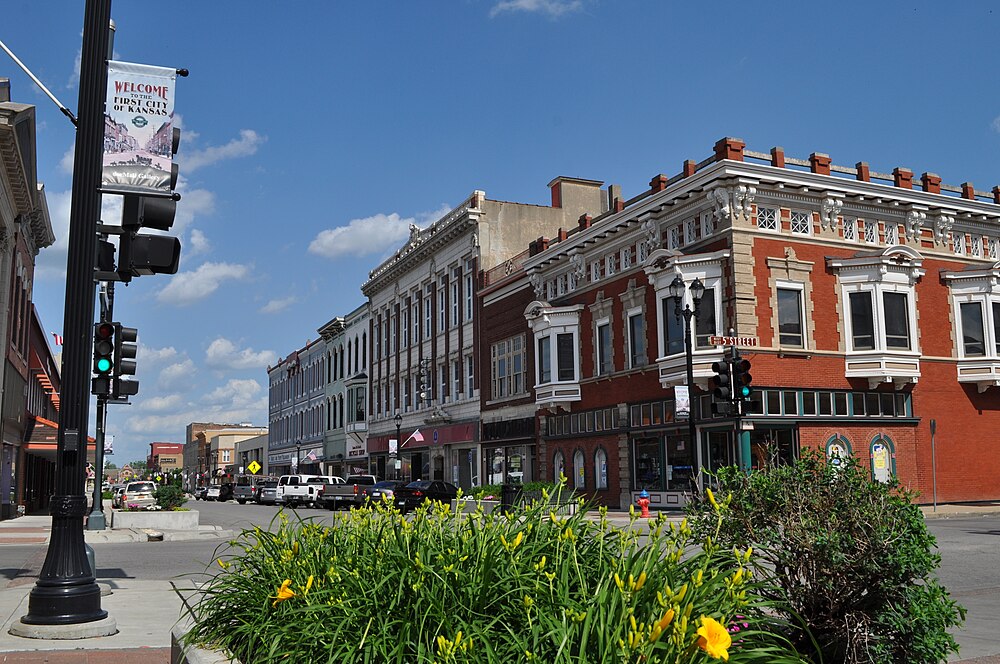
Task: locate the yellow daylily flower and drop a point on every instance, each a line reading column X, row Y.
column 284, row 592
column 714, row 638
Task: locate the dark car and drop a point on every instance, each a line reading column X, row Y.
column 415, row 493
column 384, row 490
column 267, row 493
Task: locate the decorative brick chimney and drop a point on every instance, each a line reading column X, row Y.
column 819, row 163
column 658, row 183
column 902, row 177
column 778, row 157
column 864, row 175
column 968, row 191
column 931, row 183
column 729, row 148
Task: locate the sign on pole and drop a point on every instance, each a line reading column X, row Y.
column 682, row 403
column 254, row 467
column 138, row 128
column 742, row 342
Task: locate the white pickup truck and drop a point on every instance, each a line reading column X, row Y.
column 345, row 493
column 295, row 490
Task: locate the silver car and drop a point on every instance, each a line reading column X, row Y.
column 139, row 494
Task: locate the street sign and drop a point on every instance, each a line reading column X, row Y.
column 742, row 342
column 254, row 467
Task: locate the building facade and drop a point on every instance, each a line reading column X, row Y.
column 25, row 229
column 250, row 450
column 863, row 300
column 198, row 462
column 296, row 411
column 165, row 457
column 424, row 398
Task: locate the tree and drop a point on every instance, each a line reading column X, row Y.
column 110, row 466
column 852, row 558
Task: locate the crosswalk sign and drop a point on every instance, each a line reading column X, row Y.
column 254, row 467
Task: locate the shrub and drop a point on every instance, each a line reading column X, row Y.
column 169, row 497
column 445, row 586
column 852, row 557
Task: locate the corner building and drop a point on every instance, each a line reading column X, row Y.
column 868, row 301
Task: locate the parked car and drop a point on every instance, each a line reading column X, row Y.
column 295, row 490
column 416, row 493
column 116, row 495
column 268, row 493
column 220, row 492
column 384, row 490
column 139, row 494
column 246, row 488
column 345, row 493
column 200, row 493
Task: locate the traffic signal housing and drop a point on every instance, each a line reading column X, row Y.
column 742, row 379
column 104, row 364
column 126, row 348
column 722, row 386
column 143, row 254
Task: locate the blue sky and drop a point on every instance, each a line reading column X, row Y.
column 315, row 132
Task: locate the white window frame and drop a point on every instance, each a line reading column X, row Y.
column 626, row 258
column 404, row 326
column 801, row 288
column 871, row 231
column 801, row 218
column 850, row 229
column 470, row 364
column 415, row 317
column 958, row 242
column 469, row 291
column 600, row 469
column 456, row 306
column 561, row 285
column 629, row 315
column 600, row 370
column 429, row 312
column 642, row 251
column 579, row 470
column 993, row 245
column 456, row 378
column 442, row 371
column 550, row 322
column 968, row 290
column 690, row 231
column 674, row 237
column 707, row 227
column 771, row 218
column 595, row 271
column 976, row 245
column 891, row 233
column 609, row 265
column 878, row 290
column 442, row 304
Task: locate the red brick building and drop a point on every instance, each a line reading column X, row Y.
column 871, row 300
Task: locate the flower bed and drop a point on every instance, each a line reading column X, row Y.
column 449, row 586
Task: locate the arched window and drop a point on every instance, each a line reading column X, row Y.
column 838, row 449
column 883, row 458
column 600, row 469
column 558, row 466
column 579, row 474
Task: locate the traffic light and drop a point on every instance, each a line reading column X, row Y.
column 721, row 383
column 125, row 352
column 742, row 379
column 141, row 254
column 104, row 348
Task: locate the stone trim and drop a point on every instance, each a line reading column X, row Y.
column 790, row 268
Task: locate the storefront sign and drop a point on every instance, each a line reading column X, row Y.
column 356, row 448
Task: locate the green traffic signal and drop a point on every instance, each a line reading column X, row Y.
column 103, row 365
column 104, row 346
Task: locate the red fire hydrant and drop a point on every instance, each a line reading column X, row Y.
column 643, row 502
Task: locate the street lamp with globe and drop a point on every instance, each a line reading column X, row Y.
column 697, row 288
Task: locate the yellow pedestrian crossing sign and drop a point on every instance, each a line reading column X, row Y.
column 254, row 467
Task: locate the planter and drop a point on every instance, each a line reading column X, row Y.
column 156, row 520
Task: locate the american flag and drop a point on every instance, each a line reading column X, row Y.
column 417, row 436
column 311, row 457
column 59, row 339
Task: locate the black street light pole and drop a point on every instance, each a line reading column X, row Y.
column 298, row 456
column 697, row 288
column 399, row 425
column 66, row 592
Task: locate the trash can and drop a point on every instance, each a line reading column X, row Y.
column 510, row 495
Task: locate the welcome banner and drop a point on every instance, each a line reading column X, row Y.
column 138, row 128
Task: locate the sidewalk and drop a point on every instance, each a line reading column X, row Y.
column 147, row 611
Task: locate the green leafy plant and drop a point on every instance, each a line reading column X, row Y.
column 447, row 586
column 850, row 557
column 169, row 497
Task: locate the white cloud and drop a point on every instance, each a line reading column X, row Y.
column 189, row 287
column 199, row 243
column 74, row 78
column 66, row 163
column 160, row 404
column 996, row 124
column 147, row 355
column 177, row 376
column 553, row 8
column 224, row 354
column 235, row 393
column 373, row 235
column 51, row 261
column 244, row 146
column 278, row 304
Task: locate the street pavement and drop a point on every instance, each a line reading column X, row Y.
column 147, row 611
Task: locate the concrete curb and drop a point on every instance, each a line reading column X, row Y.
column 190, row 654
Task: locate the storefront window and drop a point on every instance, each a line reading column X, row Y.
column 772, row 447
column 681, row 470
column 601, row 469
column 578, row 471
column 648, row 464
column 558, row 466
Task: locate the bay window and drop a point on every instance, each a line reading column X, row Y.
column 556, row 332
